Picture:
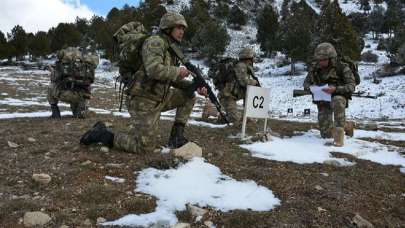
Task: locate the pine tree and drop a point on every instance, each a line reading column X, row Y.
column 393, row 16
column 296, row 37
column 267, row 29
column 64, row 35
column 3, row 46
column 196, row 16
column 19, row 41
column 365, row 5
column 375, row 22
column 237, row 17
column 40, row 44
column 211, row 40
column 334, row 27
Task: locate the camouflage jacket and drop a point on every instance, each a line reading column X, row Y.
column 160, row 70
column 243, row 78
column 345, row 83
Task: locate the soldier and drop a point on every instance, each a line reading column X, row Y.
column 70, row 81
column 153, row 93
column 328, row 70
column 235, row 88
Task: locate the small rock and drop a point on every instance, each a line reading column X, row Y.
column 114, row 165
column 157, row 151
column 361, row 222
column 318, row 187
column 30, row 139
column 209, row 224
column 320, row 209
column 325, row 174
column 104, row 149
column 332, row 162
column 36, row 218
column 87, row 222
column 181, row 225
column 88, row 162
column 12, row 145
column 188, row 151
column 101, row 220
column 196, row 211
column 64, row 226
column 41, row 178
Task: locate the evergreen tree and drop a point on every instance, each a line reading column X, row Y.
column 365, row 5
column 3, row 46
column 64, row 35
column 19, row 41
column 375, row 22
column 222, row 11
column 211, row 40
column 334, row 27
column 40, row 44
column 196, row 16
column 296, row 38
column 360, row 22
column 237, row 17
column 393, row 16
column 267, row 29
column 100, row 32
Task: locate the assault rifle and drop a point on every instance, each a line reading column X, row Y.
column 198, row 81
column 300, row 92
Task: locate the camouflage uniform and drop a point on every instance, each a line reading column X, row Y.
column 345, row 85
column 157, row 89
column 235, row 90
column 71, row 89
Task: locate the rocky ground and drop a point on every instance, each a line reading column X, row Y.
column 79, row 195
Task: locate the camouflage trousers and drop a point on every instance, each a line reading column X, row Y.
column 231, row 108
column 331, row 115
column 76, row 99
column 145, row 116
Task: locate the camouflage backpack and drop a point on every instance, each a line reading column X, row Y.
column 222, row 72
column 129, row 39
column 74, row 66
column 352, row 65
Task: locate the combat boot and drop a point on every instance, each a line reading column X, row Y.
column 98, row 134
column 55, row 112
column 338, row 136
column 177, row 138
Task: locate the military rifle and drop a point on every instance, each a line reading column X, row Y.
column 300, row 92
column 198, row 81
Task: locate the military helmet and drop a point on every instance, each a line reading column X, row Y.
column 171, row 20
column 246, row 53
column 325, row 51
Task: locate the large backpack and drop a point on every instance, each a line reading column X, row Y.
column 352, row 65
column 129, row 39
column 76, row 67
column 222, row 72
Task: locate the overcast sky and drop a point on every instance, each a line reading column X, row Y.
column 40, row 15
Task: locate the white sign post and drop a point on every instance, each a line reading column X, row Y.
column 257, row 102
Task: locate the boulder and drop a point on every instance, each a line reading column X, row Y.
column 36, row 218
column 188, row 151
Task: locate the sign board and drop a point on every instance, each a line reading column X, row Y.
column 257, row 102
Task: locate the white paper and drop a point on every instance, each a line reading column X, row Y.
column 319, row 94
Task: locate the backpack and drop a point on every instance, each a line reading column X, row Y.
column 76, row 67
column 222, row 72
column 352, row 65
column 129, row 39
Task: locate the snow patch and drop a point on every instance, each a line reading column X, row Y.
column 199, row 183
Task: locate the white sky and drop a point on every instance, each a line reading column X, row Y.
column 40, row 15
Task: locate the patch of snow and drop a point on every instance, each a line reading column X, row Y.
column 200, row 183
column 30, row 114
column 394, row 136
column 310, row 148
